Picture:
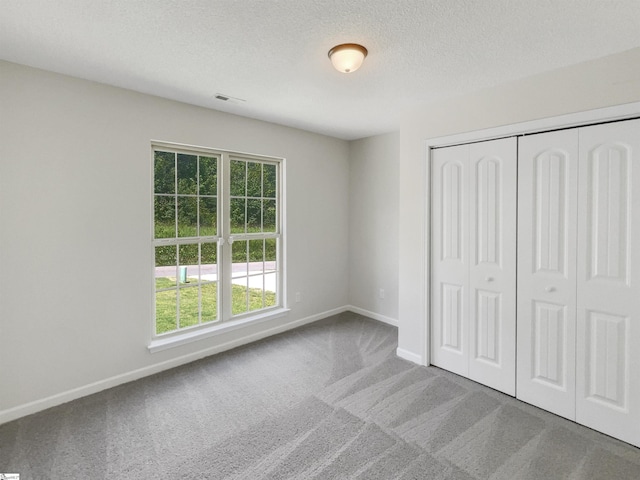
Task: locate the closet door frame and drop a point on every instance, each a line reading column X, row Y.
column 601, row 115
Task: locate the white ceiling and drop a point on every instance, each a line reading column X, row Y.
column 273, row 53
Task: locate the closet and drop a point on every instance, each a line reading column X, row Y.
column 574, row 318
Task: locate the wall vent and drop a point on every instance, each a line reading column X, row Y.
column 228, row 98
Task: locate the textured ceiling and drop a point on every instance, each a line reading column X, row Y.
column 273, row 54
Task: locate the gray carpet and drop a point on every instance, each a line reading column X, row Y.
column 326, row 401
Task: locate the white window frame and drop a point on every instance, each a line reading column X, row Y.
column 226, row 321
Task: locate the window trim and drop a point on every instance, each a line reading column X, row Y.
column 199, row 332
column 163, row 341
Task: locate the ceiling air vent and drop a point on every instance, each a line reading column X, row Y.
column 227, row 98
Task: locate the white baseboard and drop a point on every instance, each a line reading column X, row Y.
column 410, row 356
column 64, row 397
column 375, row 316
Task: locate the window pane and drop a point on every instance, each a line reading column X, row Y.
column 254, row 179
column 209, row 302
column 256, row 252
column 189, row 306
column 166, row 311
column 208, row 176
column 270, row 252
column 208, row 216
column 165, row 272
column 187, row 174
column 164, row 215
column 254, row 216
column 239, row 296
column 187, row 217
column 270, row 185
column 209, row 262
column 188, row 255
column 239, row 258
column 237, row 178
column 270, row 287
column 256, row 288
column 164, row 171
column 269, row 215
column 270, row 283
column 237, row 207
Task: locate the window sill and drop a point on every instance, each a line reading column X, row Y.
column 175, row 340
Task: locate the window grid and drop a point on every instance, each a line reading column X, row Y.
column 187, row 242
column 257, row 230
column 248, row 238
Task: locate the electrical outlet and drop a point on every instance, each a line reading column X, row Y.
column 382, row 293
column 298, row 297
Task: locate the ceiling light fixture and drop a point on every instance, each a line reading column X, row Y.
column 347, row 57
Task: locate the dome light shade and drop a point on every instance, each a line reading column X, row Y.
column 347, row 57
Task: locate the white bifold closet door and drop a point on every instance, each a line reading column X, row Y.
column 473, row 267
column 608, row 307
column 547, row 223
column 579, row 275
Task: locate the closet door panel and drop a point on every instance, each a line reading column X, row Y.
column 547, row 223
column 450, row 259
column 608, row 304
column 492, row 265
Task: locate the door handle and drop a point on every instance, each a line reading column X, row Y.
column 550, row 289
column 489, row 279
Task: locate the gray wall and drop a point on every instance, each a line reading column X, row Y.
column 373, row 225
column 75, row 230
